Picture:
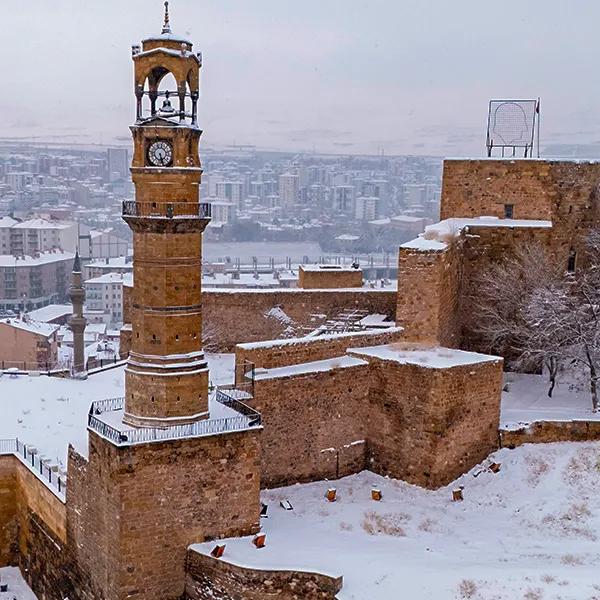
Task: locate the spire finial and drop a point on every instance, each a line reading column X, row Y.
column 167, row 25
column 77, row 262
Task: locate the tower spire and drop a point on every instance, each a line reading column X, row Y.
column 167, row 24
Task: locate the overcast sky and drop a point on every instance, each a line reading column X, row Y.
column 409, row 76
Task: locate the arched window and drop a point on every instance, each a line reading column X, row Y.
column 572, row 261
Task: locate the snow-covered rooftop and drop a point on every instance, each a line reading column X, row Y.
column 423, row 356
column 50, row 312
column 42, row 224
column 437, row 236
column 109, row 278
column 8, row 260
column 37, row 327
column 317, row 366
column 51, row 412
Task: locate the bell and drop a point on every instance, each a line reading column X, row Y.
column 167, row 107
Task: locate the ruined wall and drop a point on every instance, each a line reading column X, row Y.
column 135, row 509
column 236, row 316
column 311, row 278
column 208, row 578
column 428, row 426
column 545, row 432
column 307, row 413
column 280, row 353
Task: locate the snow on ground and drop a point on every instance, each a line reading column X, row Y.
column 528, row 532
column 527, row 401
column 17, row 587
column 50, row 412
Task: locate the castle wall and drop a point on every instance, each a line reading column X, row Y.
column 428, row 426
column 545, row 432
column 8, row 511
column 428, row 297
column 280, row 353
column 311, row 421
column 135, row 509
column 564, row 192
column 314, row 278
column 209, row 578
column 236, row 316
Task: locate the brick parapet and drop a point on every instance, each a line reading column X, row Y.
column 280, row 353
column 545, row 432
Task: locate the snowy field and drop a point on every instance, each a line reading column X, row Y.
column 50, row 412
column 529, row 532
column 527, row 401
column 17, row 588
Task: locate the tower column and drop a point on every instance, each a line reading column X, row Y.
column 77, row 321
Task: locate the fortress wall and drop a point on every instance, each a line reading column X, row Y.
column 8, row 511
column 545, row 432
column 428, row 426
column 427, row 303
column 237, row 316
column 280, row 353
column 311, row 278
column 135, row 509
column 208, row 578
column 566, row 192
column 315, row 425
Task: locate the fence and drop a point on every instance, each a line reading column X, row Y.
column 168, row 210
column 41, row 468
column 248, row 418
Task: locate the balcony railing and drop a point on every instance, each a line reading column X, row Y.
column 248, row 419
column 41, row 468
column 167, row 210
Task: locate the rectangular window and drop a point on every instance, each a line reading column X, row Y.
column 508, row 211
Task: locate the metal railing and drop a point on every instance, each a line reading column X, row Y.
column 248, row 418
column 168, row 210
column 39, row 466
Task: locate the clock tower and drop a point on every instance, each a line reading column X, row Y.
column 167, row 375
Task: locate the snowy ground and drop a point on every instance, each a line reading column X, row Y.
column 528, row 532
column 17, row 588
column 50, row 412
column 527, row 401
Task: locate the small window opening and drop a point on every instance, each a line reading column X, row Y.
column 509, row 211
column 572, row 262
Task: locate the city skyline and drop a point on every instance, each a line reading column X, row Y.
column 346, row 77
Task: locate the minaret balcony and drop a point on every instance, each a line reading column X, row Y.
column 167, row 210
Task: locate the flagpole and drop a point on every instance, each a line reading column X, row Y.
column 538, row 127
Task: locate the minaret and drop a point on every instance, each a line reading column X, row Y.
column 77, row 320
column 166, row 381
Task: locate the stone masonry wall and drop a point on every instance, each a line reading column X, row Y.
column 544, row 432
column 312, row 279
column 236, row 316
column 428, row 299
column 428, row 426
column 564, row 192
column 8, row 511
column 135, row 509
column 281, row 353
column 306, row 414
column 209, row 578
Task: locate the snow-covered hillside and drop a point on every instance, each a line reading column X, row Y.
column 528, row 532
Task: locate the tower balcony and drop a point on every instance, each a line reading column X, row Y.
column 167, row 210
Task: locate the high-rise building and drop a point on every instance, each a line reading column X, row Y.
column 289, row 190
column 118, row 164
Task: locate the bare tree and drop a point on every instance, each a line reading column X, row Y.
column 529, row 308
column 500, row 301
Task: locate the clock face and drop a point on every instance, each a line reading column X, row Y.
column 160, row 153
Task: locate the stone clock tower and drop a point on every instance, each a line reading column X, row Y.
column 167, row 374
